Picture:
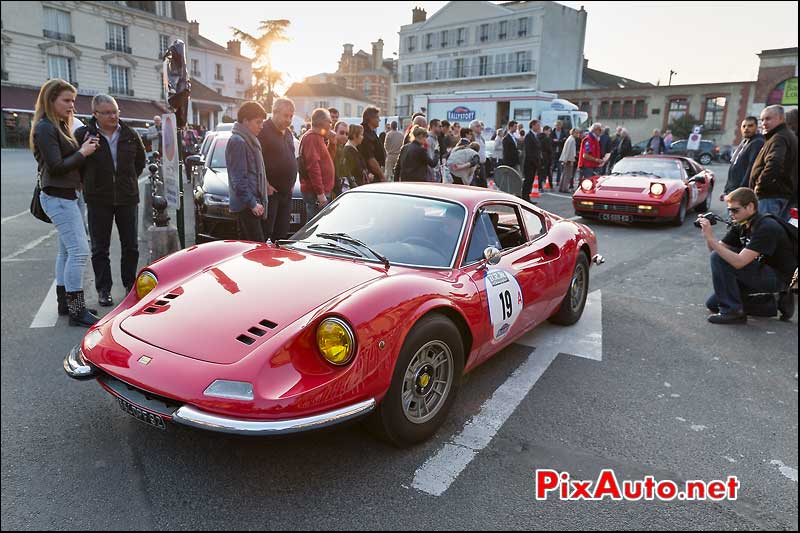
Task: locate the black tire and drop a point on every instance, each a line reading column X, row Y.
column 680, row 218
column 390, row 420
column 705, row 159
column 574, row 301
column 198, row 226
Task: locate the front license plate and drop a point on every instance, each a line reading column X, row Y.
column 615, row 218
column 295, row 218
column 141, row 415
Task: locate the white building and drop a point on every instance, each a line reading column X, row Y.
column 472, row 46
column 309, row 96
column 100, row 47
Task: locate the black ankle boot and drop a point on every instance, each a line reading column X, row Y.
column 78, row 314
column 63, row 308
column 61, row 295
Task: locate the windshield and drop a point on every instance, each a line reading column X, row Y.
column 664, row 168
column 218, row 153
column 408, row 230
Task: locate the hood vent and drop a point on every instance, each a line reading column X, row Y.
column 255, row 330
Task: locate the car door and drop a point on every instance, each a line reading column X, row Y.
column 514, row 290
column 703, row 189
column 678, row 148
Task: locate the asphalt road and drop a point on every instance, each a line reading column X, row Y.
column 673, row 397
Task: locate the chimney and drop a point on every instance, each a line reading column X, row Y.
column 194, row 28
column 348, row 50
column 377, row 55
column 418, row 15
column 235, row 47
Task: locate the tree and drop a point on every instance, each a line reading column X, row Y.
column 272, row 31
column 683, row 126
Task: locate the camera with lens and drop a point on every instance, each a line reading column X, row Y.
column 711, row 217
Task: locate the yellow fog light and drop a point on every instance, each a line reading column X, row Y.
column 145, row 283
column 335, row 341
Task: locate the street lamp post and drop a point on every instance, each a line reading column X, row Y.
column 671, row 73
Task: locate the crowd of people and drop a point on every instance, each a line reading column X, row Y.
column 99, row 163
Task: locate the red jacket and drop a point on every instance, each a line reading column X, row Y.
column 319, row 164
column 590, row 144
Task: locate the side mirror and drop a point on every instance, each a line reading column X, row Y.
column 194, row 160
column 491, row 255
column 700, row 178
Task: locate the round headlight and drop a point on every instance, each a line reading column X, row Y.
column 145, row 283
column 335, row 341
column 587, row 185
column 657, row 189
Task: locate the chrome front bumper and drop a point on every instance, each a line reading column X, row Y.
column 191, row 416
column 77, row 367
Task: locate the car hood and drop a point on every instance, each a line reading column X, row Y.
column 625, row 183
column 216, row 182
column 210, row 316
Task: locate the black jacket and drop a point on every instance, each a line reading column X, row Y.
column 605, row 144
column 510, row 151
column 102, row 183
column 532, row 153
column 413, row 163
column 354, row 166
column 545, row 147
column 558, row 144
column 277, row 148
column 739, row 171
column 59, row 160
column 774, row 172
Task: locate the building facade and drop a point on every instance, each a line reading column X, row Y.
column 309, row 96
column 369, row 74
column 100, row 47
column 469, row 46
column 718, row 107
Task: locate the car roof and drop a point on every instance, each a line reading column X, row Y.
column 465, row 194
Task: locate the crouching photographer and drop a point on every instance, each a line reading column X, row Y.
column 755, row 257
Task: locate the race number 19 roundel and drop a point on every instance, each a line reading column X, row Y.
column 505, row 300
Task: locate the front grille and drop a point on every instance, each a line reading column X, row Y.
column 299, row 206
column 158, row 404
column 620, row 208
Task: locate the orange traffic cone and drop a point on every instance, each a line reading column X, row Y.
column 535, row 191
column 547, row 186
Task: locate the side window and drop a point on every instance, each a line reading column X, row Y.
column 680, row 145
column 498, row 226
column 534, row 224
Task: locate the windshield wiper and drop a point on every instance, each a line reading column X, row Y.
column 347, row 238
column 334, row 247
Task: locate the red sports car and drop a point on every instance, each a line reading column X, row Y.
column 378, row 305
column 648, row 188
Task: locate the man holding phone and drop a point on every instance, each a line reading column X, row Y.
column 111, row 190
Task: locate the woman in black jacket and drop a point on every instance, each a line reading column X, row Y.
column 413, row 163
column 59, row 159
column 353, row 169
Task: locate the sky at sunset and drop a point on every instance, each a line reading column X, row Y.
column 703, row 42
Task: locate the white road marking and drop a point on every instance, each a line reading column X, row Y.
column 564, row 196
column 788, row 472
column 47, row 315
column 29, row 246
column 440, row 471
column 12, row 217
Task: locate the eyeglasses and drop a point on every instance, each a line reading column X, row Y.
column 734, row 210
column 108, row 113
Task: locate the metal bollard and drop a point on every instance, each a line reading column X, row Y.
column 162, row 237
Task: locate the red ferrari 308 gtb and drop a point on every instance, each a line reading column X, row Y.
column 646, row 188
column 376, row 306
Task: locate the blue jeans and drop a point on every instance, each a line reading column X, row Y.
column 777, row 206
column 312, row 207
column 729, row 283
column 73, row 249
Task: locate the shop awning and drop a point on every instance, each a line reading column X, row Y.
column 23, row 100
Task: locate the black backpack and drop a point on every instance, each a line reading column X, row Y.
column 791, row 233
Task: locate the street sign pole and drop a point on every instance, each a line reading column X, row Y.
column 179, row 212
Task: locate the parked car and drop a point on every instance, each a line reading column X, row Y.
column 377, row 307
column 707, row 153
column 148, row 144
column 212, row 217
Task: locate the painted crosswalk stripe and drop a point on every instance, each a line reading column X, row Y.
column 47, row 315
